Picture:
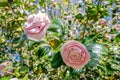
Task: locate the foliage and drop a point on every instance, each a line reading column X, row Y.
column 78, row 20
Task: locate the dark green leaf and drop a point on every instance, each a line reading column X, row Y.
column 55, row 30
column 15, row 40
column 3, row 4
column 57, row 60
column 23, row 38
column 24, row 69
column 21, row 41
column 43, row 50
column 79, row 16
column 90, row 38
column 10, row 1
column 92, row 63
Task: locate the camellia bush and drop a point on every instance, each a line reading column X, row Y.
column 59, row 40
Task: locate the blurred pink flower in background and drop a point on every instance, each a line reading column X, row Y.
column 110, row 36
column 75, row 54
column 117, row 27
column 103, row 22
column 5, row 68
column 36, row 26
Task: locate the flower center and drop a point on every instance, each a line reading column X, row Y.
column 74, row 55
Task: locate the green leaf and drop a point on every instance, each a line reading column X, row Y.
column 109, row 67
column 57, row 60
column 53, row 35
column 18, row 2
column 92, row 63
column 3, row 4
column 54, row 43
column 117, row 38
column 15, row 40
column 10, row 1
column 94, row 55
column 96, row 50
column 21, row 41
column 31, row 44
column 24, row 69
column 23, row 38
column 24, row 78
column 77, row 72
column 90, row 38
column 79, row 16
column 6, row 77
column 43, row 50
column 57, row 21
column 55, row 30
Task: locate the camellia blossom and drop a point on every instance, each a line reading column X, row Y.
column 117, row 27
column 36, row 26
column 5, row 68
column 103, row 22
column 75, row 54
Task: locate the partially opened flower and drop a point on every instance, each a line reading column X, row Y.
column 75, row 54
column 36, row 26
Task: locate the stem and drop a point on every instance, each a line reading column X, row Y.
column 31, row 60
column 83, row 35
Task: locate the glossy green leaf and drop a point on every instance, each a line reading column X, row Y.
column 90, row 38
column 21, row 41
column 23, row 38
column 57, row 21
column 15, row 40
column 57, row 60
column 55, row 30
column 43, row 50
column 79, row 16
column 93, row 63
column 96, row 50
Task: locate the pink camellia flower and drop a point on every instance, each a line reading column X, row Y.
column 6, row 68
column 117, row 27
column 103, row 22
column 75, row 54
column 36, row 26
column 110, row 36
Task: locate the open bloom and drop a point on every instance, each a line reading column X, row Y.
column 36, row 26
column 75, row 54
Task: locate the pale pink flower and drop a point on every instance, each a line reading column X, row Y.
column 5, row 68
column 75, row 54
column 36, row 26
column 110, row 36
column 103, row 22
column 117, row 27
